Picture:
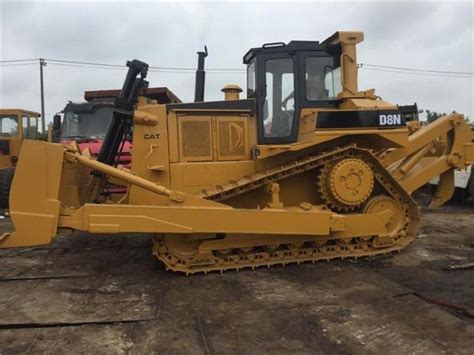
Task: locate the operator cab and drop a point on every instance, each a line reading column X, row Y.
column 87, row 120
column 284, row 78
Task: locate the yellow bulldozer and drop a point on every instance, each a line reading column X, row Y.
column 306, row 168
column 15, row 126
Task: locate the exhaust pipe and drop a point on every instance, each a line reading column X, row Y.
column 200, row 77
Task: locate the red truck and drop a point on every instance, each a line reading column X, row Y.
column 87, row 122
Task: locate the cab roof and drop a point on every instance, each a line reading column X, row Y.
column 16, row 110
column 330, row 45
column 280, row 47
column 161, row 94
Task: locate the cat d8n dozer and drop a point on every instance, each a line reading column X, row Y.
column 307, row 167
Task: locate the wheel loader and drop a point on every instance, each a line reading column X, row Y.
column 15, row 126
column 307, row 167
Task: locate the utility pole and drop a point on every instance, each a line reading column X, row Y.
column 43, row 118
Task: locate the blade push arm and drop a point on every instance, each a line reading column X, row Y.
column 434, row 150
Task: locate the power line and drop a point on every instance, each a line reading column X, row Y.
column 180, row 70
column 192, row 72
column 194, row 69
column 416, row 70
column 150, row 67
column 416, row 73
column 85, row 66
column 19, row 60
column 119, row 66
column 122, row 68
column 84, row 63
column 16, row 65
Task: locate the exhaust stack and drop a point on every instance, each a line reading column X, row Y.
column 200, row 77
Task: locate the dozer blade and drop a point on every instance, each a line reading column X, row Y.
column 34, row 202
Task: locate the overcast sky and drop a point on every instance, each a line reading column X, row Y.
column 416, row 35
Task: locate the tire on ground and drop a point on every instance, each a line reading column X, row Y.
column 6, row 178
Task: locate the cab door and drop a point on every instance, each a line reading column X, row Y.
column 277, row 94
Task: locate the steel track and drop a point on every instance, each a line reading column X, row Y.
column 285, row 253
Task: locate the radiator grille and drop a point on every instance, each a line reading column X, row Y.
column 196, row 138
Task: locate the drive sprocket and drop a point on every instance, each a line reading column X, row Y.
column 345, row 184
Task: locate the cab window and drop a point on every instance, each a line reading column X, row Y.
column 24, row 125
column 71, row 125
column 279, row 103
column 251, row 79
column 323, row 79
column 33, row 131
column 8, row 125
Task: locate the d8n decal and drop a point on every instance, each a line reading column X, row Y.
column 390, row 120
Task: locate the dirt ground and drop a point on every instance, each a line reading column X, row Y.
column 103, row 294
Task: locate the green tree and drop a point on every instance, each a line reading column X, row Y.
column 432, row 116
